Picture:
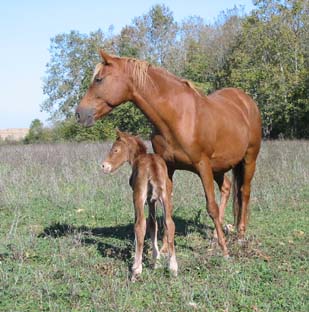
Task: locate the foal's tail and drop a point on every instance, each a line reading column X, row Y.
column 238, row 181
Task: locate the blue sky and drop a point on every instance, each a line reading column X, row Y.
column 27, row 26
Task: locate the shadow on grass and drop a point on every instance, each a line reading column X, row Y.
column 124, row 250
column 125, row 231
column 91, row 236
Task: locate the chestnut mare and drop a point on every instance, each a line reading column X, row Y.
column 149, row 181
column 208, row 135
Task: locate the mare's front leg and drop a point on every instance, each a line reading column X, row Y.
column 139, row 198
column 164, row 249
column 169, row 227
column 152, row 226
column 203, row 167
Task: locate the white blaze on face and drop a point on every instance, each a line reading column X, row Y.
column 107, row 167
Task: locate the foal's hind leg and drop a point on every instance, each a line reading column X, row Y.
column 153, row 231
column 139, row 198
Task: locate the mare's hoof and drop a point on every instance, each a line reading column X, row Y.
column 228, row 228
column 215, row 235
column 164, row 251
column 241, row 242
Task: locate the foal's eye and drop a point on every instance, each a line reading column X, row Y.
column 116, row 150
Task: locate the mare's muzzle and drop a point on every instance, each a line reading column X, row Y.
column 85, row 116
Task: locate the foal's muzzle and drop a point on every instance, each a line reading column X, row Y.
column 106, row 167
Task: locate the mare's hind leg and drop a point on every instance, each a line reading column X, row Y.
column 243, row 177
column 152, row 226
column 139, row 198
column 224, row 185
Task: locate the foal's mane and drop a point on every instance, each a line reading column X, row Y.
column 139, row 71
column 142, row 148
column 133, row 141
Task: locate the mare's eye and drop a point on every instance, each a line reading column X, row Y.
column 98, row 79
column 116, row 150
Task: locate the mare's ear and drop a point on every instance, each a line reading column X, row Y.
column 107, row 59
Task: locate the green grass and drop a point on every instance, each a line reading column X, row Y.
column 67, row 242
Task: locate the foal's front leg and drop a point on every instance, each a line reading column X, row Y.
column 139, row 198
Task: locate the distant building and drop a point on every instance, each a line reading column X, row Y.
column 14, row 134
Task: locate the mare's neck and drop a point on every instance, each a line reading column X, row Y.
column 156, row 98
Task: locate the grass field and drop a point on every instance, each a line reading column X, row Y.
column 66, row 237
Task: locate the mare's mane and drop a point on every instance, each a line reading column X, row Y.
column 139, row 71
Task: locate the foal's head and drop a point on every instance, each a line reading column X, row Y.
column 126, row 148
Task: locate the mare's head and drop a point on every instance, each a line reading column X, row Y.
column 126, row 148
column 112, row 84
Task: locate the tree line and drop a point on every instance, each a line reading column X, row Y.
column 266, row 53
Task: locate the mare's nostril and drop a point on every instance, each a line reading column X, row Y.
column 77, row 116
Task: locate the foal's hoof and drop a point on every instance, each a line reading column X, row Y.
column 158, row 264
column 174, row 273
column 135, row 277
column 173, row 266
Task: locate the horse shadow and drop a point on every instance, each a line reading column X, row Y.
column 125, row 232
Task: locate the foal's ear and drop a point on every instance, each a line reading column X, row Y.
column 107, row 59
column 119, row 133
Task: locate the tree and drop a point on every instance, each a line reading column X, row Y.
column 37, row 133
column 269, row 62
column 73, row 58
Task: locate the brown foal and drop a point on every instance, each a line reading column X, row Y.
column 149, row 181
